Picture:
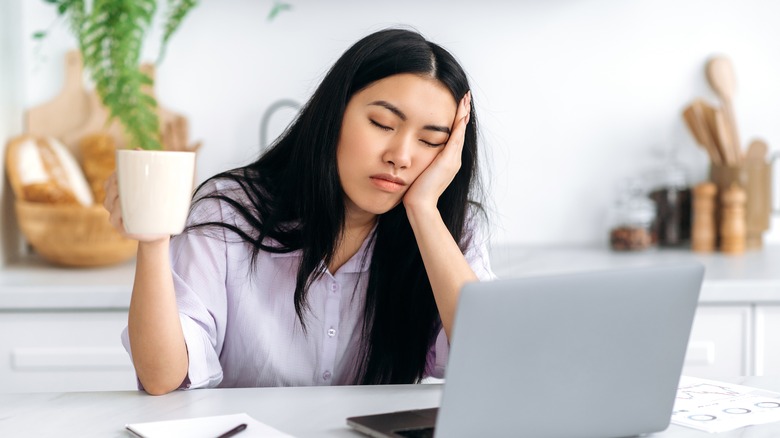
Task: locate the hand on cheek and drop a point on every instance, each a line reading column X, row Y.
column 428, row 187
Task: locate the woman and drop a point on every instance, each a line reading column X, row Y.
column 336, row 257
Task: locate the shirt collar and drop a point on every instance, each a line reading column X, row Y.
column 354, row 265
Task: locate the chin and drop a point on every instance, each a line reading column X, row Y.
column 379, row 208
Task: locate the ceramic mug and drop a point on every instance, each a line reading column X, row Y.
column 155, row 190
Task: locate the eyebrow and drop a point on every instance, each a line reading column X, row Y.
column 395, row 110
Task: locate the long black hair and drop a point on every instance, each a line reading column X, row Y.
column 294, row 197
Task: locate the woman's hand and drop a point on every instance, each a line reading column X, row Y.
column 112, row 204
column 428, row 187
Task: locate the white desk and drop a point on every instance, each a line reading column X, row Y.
column 301, row 412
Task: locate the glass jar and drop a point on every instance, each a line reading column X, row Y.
column 632, row 219
column 672, row 197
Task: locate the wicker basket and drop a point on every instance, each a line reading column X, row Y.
column 65, row 234
column 73, row 235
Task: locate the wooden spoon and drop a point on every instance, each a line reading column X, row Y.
column 720, row 74
column 709, row 115
column 697, row 124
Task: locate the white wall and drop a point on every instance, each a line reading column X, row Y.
column 573, row 96
column 11, row 96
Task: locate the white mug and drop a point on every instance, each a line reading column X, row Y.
column 155, row 190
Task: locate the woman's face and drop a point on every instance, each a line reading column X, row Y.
column 391, row 131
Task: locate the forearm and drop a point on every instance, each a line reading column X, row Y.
column 156, row 337
column 446, row 266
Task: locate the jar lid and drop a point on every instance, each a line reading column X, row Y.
column 636, row 211
column 671, row 175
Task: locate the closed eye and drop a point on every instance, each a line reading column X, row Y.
column 382, row 127
column 433, row 145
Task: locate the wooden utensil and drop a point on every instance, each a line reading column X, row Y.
column 69, row 110
column 720, row 74
column 757, row 151
column 732, row 157
column 709, row 115
column 697, row 123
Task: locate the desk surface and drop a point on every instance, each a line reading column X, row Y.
column 301, row 412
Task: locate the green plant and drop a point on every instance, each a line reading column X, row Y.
column 110, row 35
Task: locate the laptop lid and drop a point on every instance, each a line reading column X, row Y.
column 595, row 354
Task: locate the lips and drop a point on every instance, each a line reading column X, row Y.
column 388, row 183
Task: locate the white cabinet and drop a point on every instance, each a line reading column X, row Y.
column 767, row 340
column 63, row 351
column 60, row 328
column 719, row 345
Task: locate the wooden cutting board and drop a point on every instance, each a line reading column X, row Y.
column 69, row 110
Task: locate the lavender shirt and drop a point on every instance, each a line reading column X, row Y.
column 240, row 326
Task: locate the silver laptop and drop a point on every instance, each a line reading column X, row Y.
column 596, row 354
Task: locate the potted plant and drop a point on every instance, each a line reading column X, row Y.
column 155, row 185
column 110, row 35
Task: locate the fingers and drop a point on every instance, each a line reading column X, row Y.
column 463, row 111
column 111, row 203
column 462, row 117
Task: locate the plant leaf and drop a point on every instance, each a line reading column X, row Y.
column 110, row 37
column 277, row 8
column 177, row 10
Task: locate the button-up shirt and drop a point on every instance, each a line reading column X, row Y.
column 240, row 324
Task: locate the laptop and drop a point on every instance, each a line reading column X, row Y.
column 594, row 354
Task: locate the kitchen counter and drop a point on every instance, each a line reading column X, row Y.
column 751, row 277
column 67, row 321
column 32, row 284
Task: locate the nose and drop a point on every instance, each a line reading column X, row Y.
column 398, row 153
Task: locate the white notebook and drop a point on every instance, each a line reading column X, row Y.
column 205, row 427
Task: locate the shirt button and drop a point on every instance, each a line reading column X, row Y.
column 326, row 375
column 334, row 287
column 331, row 332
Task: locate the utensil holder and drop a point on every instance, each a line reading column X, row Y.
column 755, row 177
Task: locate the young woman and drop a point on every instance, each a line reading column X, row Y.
column 336, row 257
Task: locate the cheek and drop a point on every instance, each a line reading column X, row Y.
column 425, row 158
column 352, row 156
column 354, row 143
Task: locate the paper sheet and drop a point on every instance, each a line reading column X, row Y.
column 205, row 427
column 714, row 406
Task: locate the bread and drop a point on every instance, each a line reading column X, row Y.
column 41, row 169
column 98, row 159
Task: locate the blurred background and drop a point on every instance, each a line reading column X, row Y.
column 573, row 97
column 580, row 104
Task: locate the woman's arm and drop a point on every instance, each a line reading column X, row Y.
column 156, row 338
column 445, row 265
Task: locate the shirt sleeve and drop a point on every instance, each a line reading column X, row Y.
column 198, row 264
column 478, row 257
